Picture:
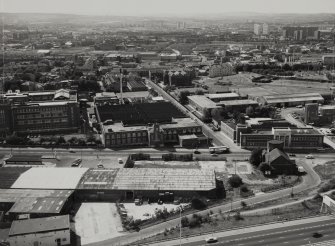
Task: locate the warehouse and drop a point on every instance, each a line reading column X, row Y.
column 34, row 203
column 130, row 183
column 49, row 178
column 289, row 100
column 24, row 160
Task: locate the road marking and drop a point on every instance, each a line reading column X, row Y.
column 285, row 242
column 301, row 234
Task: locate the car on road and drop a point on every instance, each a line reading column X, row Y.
column 214, row 154
column 211, row 240
column 100, row 166
column 309, row 157
column 317, row 235
column 72, row 151
column 196, row 152
column 292, row 155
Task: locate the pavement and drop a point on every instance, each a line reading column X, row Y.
column 297, row 232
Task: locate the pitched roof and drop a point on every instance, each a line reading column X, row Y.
column 21, row 227
column 275, row 154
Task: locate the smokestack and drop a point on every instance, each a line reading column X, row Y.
column 121, row 85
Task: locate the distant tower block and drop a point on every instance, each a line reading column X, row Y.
column 311, row 112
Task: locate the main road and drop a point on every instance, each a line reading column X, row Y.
column 297, row 233
column 218, row 137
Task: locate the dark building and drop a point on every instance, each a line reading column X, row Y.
column 46, row 117
column 280, row 162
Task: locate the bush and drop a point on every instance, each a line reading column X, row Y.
column 185, row 222
column 244, row 188
column 235, row 181
column 198, row 204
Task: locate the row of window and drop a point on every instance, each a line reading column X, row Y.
column 23, row 122
column 38, row 109
column 127, row 141
column 40, row 115
column 126, row 135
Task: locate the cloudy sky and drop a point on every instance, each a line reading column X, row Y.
column 167, row 7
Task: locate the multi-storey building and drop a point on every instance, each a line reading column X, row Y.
column 45, row 117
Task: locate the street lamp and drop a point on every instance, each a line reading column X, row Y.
column 180, row 209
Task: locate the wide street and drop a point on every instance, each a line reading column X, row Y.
column 299, row 232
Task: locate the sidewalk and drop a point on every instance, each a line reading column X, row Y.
column 246, row 230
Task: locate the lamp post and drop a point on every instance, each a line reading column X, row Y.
column 180, row 209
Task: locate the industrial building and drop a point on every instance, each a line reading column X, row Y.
column 35, row 203
column 42, row 231
column 289, row 100
column 129, row 183
column 238, row 105
column 293, row 138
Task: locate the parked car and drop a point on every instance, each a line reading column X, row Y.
column 100, row 166
column 291, row 154
column 309, row 157
column 196, row 152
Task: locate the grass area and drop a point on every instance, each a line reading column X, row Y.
column 226, row 221
column 326, row 171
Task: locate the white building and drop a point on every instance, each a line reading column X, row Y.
column 257, row 29
column 43, row 231
column 265, row 29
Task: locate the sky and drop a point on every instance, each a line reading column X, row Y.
column 166, row 7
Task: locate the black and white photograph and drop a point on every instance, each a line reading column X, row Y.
column 167, row 123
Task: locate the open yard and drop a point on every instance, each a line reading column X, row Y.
column 97, row 221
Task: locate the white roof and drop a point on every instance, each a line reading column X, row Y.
column 49, row 178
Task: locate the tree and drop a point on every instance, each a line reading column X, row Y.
column 264, row 167
column 15, row 140
column 60, row 140
column 256, row 157
column 249, row 111
column 235, row 181
column 199, row 92
column 183, row 97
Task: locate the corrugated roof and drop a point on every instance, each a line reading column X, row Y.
column 293, row 98
column 149, row 179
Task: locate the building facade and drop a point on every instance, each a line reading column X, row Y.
column 46, row 117
column 43, row 231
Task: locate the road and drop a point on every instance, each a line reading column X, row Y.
column 217, row 137
column 295, row 233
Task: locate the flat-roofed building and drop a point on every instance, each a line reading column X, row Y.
column 24, row 160
column 202, row 104
column 42, row 231
column 238, row 105
column 223, row 96
column 46, row 117
column 106, row 98
column 288, row 100
column 179, row 127
column 116, row 135
column 292, row 138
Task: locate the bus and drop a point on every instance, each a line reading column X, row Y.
column 218, row 149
